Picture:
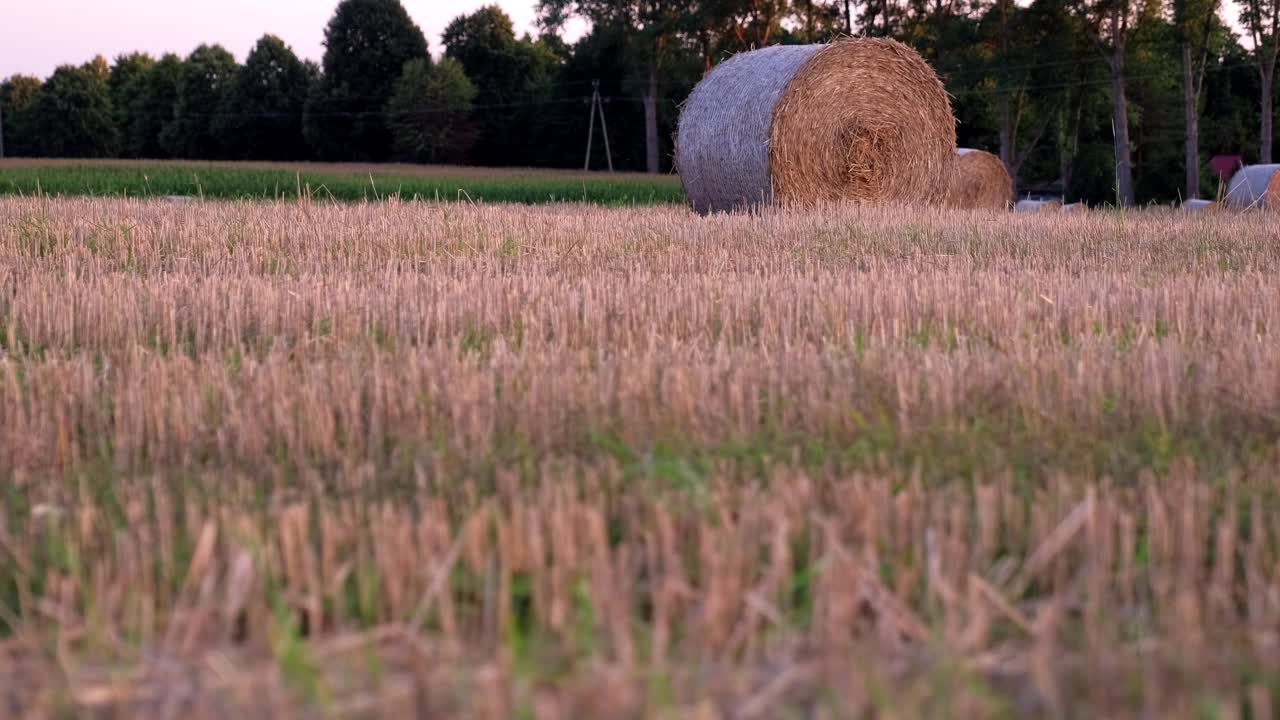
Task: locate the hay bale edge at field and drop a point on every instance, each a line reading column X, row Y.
column 861, row 120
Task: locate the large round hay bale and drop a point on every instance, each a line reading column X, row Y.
column 861, row 119
column 1255, row 186
column 979, row 180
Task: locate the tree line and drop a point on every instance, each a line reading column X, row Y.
column 1096, row 100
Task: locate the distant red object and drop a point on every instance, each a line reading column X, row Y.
column 1225, row 165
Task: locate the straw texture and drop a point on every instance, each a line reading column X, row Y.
column 860, row 120
column 1255, row 186
column 979, row 180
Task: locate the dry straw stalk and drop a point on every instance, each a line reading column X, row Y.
column 452, row 461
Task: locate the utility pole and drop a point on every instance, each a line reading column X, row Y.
column 597, row 105
column 848, row 18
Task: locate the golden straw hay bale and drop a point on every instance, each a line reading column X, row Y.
column 859, row 120
column 1255, row 186
column 979, row 180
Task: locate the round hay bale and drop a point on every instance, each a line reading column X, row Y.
column 863, row 120
column 979, row 180
column 1255, row 186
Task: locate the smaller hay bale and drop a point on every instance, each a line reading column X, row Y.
column 979, row 180
column 1255, row 186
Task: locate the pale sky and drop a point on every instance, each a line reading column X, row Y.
column 38, row 35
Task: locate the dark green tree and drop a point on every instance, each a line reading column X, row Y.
column 740, row 25
column 153, row 102
column 1112, row 25
column 72, row 114
column 1005, row 85
column 652, row 30
column 124, row 84
column 17, row 98
column 479, row 40
column 817, row 20
column 261, row 117
column 367, row 43
column 1156, row 118
column 429, row 112
column 1195, row 22
column 207, row 76
column 99, row 68
column 1230, row 122
column 1261, row 20
column 881, row 18
column 513, row 78
column 609, row 54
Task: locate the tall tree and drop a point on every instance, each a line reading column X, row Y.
column 1229, row 123
column 749, row 24
column 261, row 116
column 654, row 24
column 124, row 84
column 1008, row 123
column 17, row 98
column 153, row 101
column 1024, row 93
column 429, row 112
column 1261, row 19
column 367, row 44
column 880, row 18
column 99, row 68
column 72, row 111
column 1194, row 21
column 512, row 77
column 207, row 75
column 817, row 20
column 1112, row 24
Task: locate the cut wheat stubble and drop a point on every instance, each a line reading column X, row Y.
column 774, row 460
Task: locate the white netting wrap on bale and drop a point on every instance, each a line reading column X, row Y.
column 1255, row 186
column 862, row 120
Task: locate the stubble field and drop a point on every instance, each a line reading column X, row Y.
column 443, row 460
